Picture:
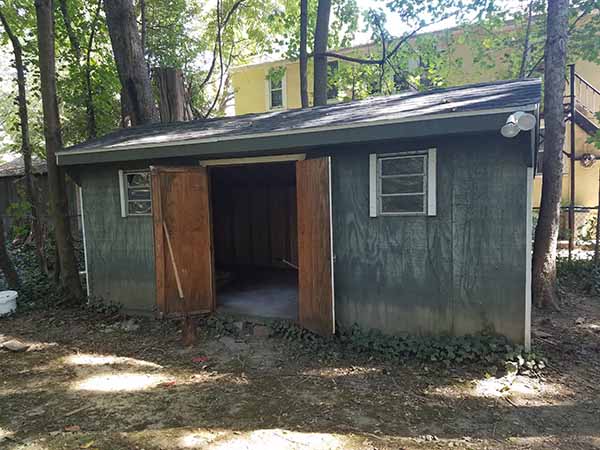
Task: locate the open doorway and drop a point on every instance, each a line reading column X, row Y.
column 255, row 238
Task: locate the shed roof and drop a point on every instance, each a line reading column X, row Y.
column 471, row 100
column 16, row 168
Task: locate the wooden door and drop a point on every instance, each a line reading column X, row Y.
column 181, row 211
column 315, row 253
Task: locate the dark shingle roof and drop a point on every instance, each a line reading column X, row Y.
column 16, row 168
column 401, row 107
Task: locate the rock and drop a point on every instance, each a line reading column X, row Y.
column 231, row 344
column 580, row 321
column 239, row 325
column 130, row 325
column 511, row 367
column 15, row 346
column 262, row 331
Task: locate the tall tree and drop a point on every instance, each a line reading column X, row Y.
column 320, row 48
column 546, row 233
column 69, row 273
column 131, row 64
column 30, row 192
column 304, row 53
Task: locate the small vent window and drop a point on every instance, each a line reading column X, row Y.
column 136, row 194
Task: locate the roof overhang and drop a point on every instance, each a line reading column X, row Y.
column 298, row 139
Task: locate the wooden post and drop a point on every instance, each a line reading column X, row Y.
column 597, row 245
column 188, row 332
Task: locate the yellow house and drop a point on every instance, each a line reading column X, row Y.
column 255, row 92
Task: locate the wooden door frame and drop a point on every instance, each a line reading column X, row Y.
column 160, row 258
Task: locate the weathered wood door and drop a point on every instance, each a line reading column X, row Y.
column 183, row 240
column 315, row 252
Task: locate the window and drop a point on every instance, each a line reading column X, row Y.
column 332, row 90
column 403, row 183
column 276, row 87
column 136, row 196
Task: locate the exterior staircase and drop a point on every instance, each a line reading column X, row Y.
column 587, row 104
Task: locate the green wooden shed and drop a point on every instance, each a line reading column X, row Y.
column 408, row 214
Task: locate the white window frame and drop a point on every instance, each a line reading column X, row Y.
column 429, row 183
column 283, row 93
column 123, row 193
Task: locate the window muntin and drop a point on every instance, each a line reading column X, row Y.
column 402, row 184
column 137, row 194
column 276, row 93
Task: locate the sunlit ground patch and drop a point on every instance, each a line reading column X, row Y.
column 336, row 372
column 88, row 359
column 125, row 381
column 519, row 386
column 4, row 434
column 271, row 438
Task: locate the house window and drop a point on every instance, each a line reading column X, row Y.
column 276, row 87
column 403, row 183
column 136, row 196
column 332, row 90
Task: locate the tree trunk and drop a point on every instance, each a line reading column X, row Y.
column 546, row 234
column 303, row 53
column 32, row 198
column 6, row 265
column 172, row 104
column 129, row 56
column 69, row 273
column 320, row 47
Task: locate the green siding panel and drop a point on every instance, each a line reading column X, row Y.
column 460, row 272
column 120, row 250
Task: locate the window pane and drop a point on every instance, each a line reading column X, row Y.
column 402, row 185
column 403, row 204
column 139, row 194
column 402, row 166
column 276, row 99
column 139, row 207
column 138, row 179
column 276, row 84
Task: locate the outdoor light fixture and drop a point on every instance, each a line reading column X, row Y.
column 516, row 122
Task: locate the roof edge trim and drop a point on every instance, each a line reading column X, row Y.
column 484, row 112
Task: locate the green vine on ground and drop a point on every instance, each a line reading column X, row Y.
column 489, row 350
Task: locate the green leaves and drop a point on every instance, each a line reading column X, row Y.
column 482, row 349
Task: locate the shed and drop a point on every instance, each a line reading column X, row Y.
column 12, row 190
column 407, row 214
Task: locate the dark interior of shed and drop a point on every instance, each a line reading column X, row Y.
column 255, row 239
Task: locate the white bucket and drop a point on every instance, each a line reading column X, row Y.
column 8, row 302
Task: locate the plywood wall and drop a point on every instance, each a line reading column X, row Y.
column 254, row 215
column 462, row 271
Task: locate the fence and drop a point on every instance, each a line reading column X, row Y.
column 584, row 229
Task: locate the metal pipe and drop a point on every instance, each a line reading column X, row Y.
column 572, row 161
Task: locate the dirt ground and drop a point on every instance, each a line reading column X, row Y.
column 92, row 381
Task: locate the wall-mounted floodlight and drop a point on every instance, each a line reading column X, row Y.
column 517, row 122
